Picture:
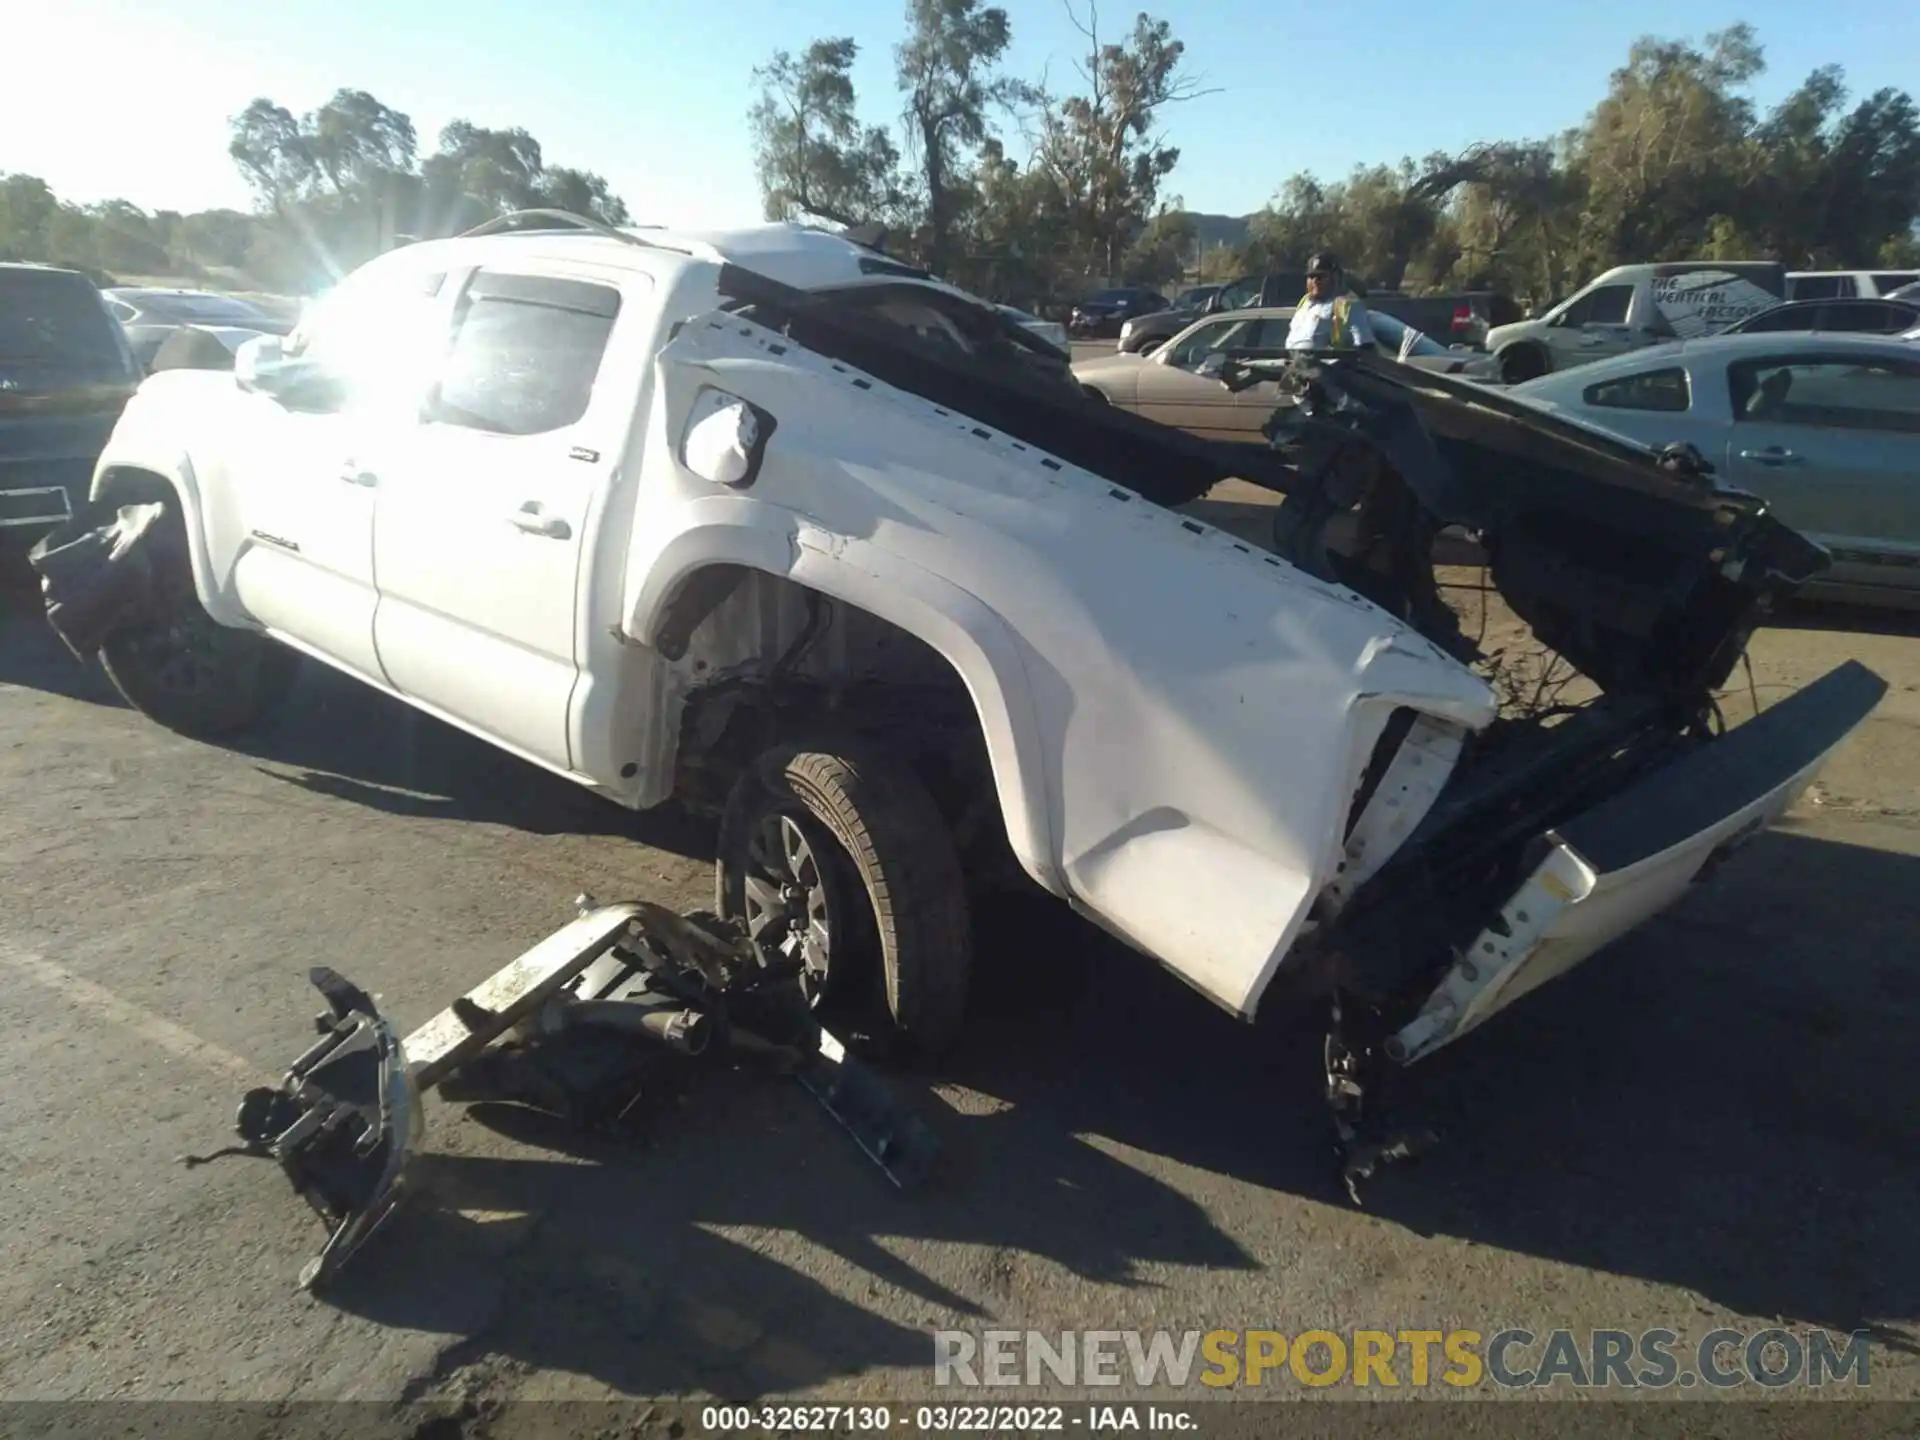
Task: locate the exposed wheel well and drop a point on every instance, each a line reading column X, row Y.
column 771, row 660
column 128, row 485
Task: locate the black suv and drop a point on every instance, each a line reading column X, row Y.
column 1103, row 314
column 66, row 372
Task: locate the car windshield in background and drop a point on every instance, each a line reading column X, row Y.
column 201, row 310
column 1392, row 333
column 56, row 335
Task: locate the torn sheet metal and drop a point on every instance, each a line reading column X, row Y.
column 573, row 1027
column 96, row 578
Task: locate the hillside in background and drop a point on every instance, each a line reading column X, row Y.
column 1216, row 230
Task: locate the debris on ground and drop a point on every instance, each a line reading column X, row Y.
column 575, row 1027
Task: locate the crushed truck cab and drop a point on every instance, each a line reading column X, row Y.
column 775, row 527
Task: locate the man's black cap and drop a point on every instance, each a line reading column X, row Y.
column 1324, row 262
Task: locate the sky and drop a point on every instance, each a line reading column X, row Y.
column 131, row 98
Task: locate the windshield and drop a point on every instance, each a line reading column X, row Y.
column 201, row 309
column 56, row 335
column 1392, row 333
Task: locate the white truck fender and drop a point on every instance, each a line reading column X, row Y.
column 129, row 472
column 969, row 635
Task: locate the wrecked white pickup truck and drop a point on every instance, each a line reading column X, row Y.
column 768, row 524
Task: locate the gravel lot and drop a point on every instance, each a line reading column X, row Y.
column 1712, row 1124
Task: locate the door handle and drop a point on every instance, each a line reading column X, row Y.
column 533, row 519
column 1773, row 455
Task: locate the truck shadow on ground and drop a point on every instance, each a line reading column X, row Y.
column 618, row 1272
column 32, row 656
column 1722, row 1104
column 1844, row 619
column 342, row 739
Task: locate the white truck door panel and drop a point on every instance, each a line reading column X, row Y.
column 306, row 566
column 304, row 463
column 479, row 524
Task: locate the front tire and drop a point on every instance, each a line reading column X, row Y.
column 183, row 669
column 835, row 854
column 1522, row 362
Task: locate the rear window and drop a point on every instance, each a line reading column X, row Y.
column 1663, row 390
column 1821, row 287
column 206, row 310
column 1391, row 333
column 56, row 334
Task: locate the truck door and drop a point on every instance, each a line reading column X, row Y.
column 480, row 527
column 300, row 458
column 1832, row 441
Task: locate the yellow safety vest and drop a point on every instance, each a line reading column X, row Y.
column 1342, row 332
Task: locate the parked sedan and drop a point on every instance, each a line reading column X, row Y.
column 150, row 316
column 1856, row 317
column 1176, row 384
column 1826, row 427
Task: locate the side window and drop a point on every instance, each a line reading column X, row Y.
column 1893, row 280
column 1779, row 318
column 1268, row 334
column 1192, row 350
column 369, row 341
column 122, row 311
column 1866, row 317
column 1664, row 390
column 1830, row 393
column 1578, row 312
column 524, row 353
column 1822, row 287
column 1240, row 295
column 1608, row 305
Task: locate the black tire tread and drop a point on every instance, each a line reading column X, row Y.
column 258, row 687
column 893, row 832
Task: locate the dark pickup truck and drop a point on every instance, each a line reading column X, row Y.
column 66, row 371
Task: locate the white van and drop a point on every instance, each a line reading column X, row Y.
column 1846, row 284
column 1637, row 305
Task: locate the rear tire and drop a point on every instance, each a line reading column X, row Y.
column 186, row 671
column 890, row 870
column 1522, row 362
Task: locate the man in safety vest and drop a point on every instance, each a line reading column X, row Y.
column 1329, row 316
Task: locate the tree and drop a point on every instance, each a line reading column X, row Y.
column 27, row 210
column 583, row 193
column 1159, row 256
column 270, row 148
column 355, row 141
column 495, row 170
column 945, row 68
column 1101, row 149
column 813, row 155
column 1665, row 151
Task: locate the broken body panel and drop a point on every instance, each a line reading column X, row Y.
column 1244, row 765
